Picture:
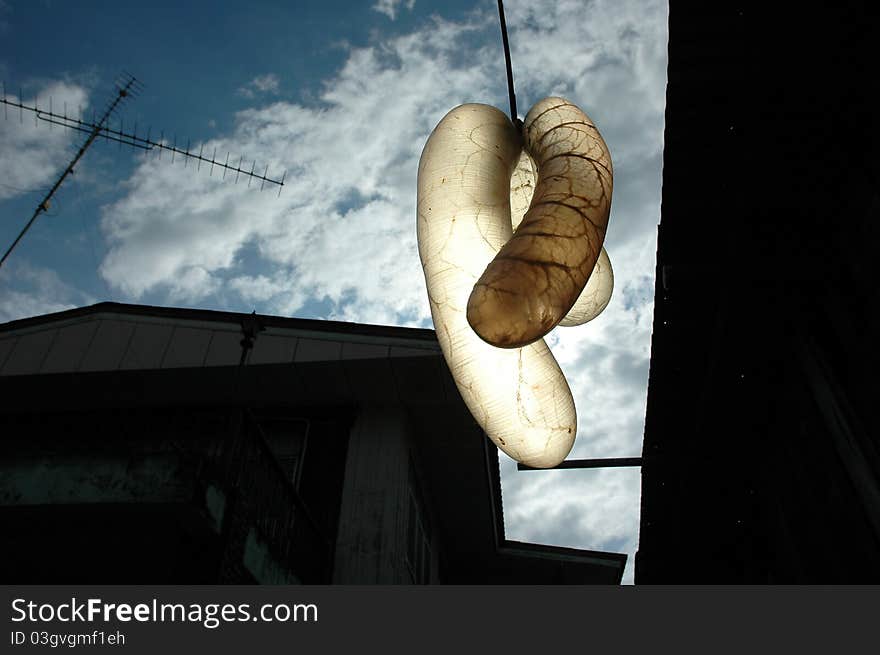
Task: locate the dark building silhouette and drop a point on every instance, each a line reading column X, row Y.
column 762, row 442
column 153, row 445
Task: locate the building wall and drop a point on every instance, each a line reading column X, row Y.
column 761, row 454
column 384, row 526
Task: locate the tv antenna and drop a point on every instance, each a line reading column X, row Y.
column 99, row 127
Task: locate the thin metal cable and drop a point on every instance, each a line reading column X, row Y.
column 510, row 91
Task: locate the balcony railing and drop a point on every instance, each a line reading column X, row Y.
column 264, row 498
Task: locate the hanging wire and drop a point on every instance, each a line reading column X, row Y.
column 510, row 92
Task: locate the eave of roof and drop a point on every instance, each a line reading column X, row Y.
column 217, row 316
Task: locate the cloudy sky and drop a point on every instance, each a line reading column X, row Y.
column 341, row 96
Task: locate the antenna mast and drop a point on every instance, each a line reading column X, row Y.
column 122, row 93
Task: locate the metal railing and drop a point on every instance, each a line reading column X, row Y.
column 244, row 466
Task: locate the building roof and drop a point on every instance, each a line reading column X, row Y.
column 116, row 336
column 116, row 355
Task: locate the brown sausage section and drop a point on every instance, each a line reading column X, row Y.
column 539, row 273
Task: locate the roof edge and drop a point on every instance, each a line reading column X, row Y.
column 599, row 557
column 267, row 320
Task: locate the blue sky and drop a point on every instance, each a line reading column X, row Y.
column 341, row 96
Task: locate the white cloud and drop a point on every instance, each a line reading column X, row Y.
column 342, row 233
column 347, row 210
column 389, row 7
column 27, row 290
column 40, row 151
column 258, row 287
column 262, row 84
